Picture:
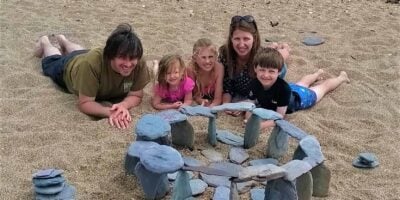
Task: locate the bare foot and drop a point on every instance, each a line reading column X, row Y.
column 38, row 49
column 61, row 39
column 344, row 77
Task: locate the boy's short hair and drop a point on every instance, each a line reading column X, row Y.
column 269, row 58
column 123, row 42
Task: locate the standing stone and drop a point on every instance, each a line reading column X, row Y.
column 257, row 194
column 182, row 189
column 304, row 186
column 252, row 131
column 182, row 134
column 212, row 131
column 278, row 143
column 155, row 185
column 321, row 178
column 280, row 189
column 132, row 156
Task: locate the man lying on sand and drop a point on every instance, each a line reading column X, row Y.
column 113, row 72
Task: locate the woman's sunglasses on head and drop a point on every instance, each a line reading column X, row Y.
column 238, row 18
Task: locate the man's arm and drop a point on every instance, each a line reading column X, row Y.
column 133, row 99
column 89, row 106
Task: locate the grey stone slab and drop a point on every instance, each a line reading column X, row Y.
column 215, row 181
column 230, row 168
column 241, row 106
column 267, row 171
column 296, row 168
column 139, row 146
column 313, row 40
column 265, row 114
column 312, row 148
column 212, row 155
column 252, row 131
column 172, row 116
column 257, row 194
column 161, row 159
column 280, row 189
column 321, row 176
column 52, row 189
column 304, row 186
column 264, row 161
column 198, row 186
column 212, row 131
column 366, row 160
column 196, row 111
column 291, row 129
column 192, row 162
column 182, row 189
column 151, row 127
column 238, row 155
column 230, row 138
column 182, row 134
column 67, row 193
column 44, row 182
column 221, row 193
column 47, row 173
column 233, row 193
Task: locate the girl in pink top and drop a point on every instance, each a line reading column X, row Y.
column 173, row 88
column 208, row 73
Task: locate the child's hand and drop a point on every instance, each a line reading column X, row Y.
column 204, row 102
column 177, row 104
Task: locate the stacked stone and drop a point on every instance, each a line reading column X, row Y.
column 182, row 133
column 155, row 163
column 133, row 155
column 50, row 184
column 153, row 128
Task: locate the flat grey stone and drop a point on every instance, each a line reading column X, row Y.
column 266, row 114
column 296, row 168
column 212, row 131
column 313, row 40
column 244, row 187
column 228, row 167
column 192, row 162
column 47, row 173
column 198, row 186
column 172, row 176
column 267, row 171
column 151, row 127
column 221, row 193
column 312, row 148
column 241, row 106
column 44, row 182
column 161, row 159
column 52, row 189
column 212, row 155
column 280, row 189
column 366, row 160
column 215, row 181
column 238, row 155
column 67, row 193
column 230, row 138
column 182, row 189
column 172, row 116
column 139, row 146
column 257, row 194
column 196, row 111
column 264, row 161
column 291, row 129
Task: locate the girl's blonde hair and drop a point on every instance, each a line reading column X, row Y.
column 165, row 65
column 202, row 43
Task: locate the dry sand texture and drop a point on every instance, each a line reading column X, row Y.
column 41, row 126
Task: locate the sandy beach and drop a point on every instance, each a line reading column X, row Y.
column 41, row 127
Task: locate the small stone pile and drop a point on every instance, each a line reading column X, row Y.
column 51, row 184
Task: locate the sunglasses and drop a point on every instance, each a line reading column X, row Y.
column 246, row 18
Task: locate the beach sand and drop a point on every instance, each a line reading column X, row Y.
column 41, row 126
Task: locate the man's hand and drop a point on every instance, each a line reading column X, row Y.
column 120, row 116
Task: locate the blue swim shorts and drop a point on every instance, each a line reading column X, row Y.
column 303, row 97
column 53, row 66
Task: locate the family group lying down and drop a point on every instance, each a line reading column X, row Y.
column 239, row 70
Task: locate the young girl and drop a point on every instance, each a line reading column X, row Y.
column 207, row 72
column 174, row 87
